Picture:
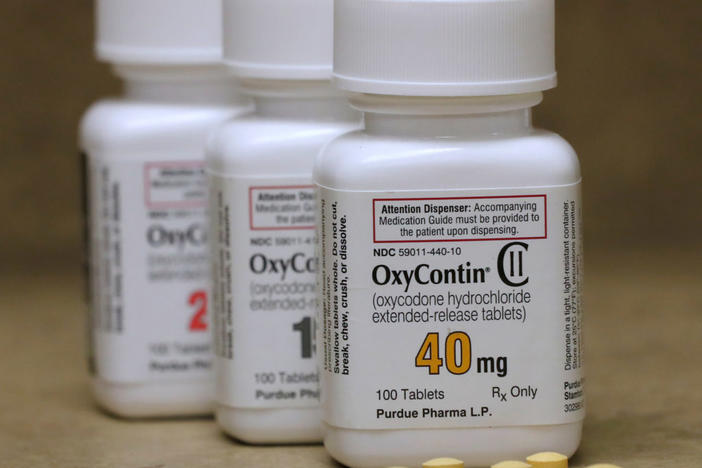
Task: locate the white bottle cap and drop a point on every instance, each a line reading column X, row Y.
column 279, row 39
column 444, row 47
column 159, row 31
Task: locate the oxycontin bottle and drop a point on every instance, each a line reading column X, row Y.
column 149, row 275
column 263, row 217
column 450, row 238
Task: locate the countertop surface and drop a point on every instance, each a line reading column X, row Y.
column 643, row 345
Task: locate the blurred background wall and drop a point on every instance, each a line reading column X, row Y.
column 629, row 100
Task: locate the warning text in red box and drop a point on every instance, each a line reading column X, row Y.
column 459, row 219
column 282, row 207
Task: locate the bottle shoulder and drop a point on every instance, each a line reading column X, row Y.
column 253, row 144
column 118, row 125
column 361, row 161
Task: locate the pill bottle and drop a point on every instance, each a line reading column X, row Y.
column 150, row 349
column 450, row 232
column 263, row 217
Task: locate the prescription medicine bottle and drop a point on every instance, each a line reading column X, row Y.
column 150, row 340
column 450, row 232
column 263, row 217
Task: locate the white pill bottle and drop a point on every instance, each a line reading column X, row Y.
column 263, row 217
column 146, row 204
column 450, row 240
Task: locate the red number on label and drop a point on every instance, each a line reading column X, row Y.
column 199, row 300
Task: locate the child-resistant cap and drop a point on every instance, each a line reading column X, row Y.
column 444, row 47
column 178, row 32
column 279, row 39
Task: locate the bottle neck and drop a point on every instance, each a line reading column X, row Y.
column 447, row 117
column 299, row 100
column 207, row 84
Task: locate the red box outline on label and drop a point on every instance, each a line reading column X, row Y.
column 274, row 228
column 545, row 236
column 173, row 205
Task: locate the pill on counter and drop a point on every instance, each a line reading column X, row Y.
column 547, row 460
column 511, row 464
column 443, row 463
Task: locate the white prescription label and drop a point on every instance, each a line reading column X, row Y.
column 149, row 272
column 264, row 291
column 452, row 308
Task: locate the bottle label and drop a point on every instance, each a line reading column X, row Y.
column 264, row 291
column 149, row 270
column 452, row 308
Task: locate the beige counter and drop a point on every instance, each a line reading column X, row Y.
column 644, row 367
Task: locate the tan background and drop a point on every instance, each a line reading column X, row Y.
column 629, row 101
